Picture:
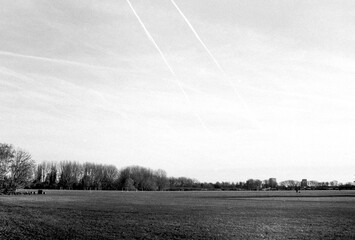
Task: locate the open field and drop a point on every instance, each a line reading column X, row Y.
column 179, row 215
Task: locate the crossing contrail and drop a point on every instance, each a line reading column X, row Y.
column 244, row 104
column 166, row 63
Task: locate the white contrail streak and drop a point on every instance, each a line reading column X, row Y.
column 251, row 117
column 166, row 63
column 74, row 63
column 55, row 60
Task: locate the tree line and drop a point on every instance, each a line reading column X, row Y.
column 19, row 170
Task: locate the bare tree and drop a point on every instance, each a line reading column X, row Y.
column 161, row 179
column 7, row 153
column 70, row 174
column 21, row 168
column 253, row 184
column 110, row 174
column 290, row 183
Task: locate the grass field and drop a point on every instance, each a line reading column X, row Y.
column 179, row 215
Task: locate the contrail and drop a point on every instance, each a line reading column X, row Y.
column 245, row 106
column 55, row 60
column 166, row 63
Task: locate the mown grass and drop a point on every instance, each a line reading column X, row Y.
column 179, row 215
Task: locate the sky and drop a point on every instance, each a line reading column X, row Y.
column 81, row 80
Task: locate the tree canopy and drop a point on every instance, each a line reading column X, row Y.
column 16, row 168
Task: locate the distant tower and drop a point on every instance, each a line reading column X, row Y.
column 272, row 182
column 304, row 183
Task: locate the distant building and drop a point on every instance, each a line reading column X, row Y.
column 272, row 182
column 313, row 183
column 304, row 183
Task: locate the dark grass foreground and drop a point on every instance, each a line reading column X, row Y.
column 179, row 215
